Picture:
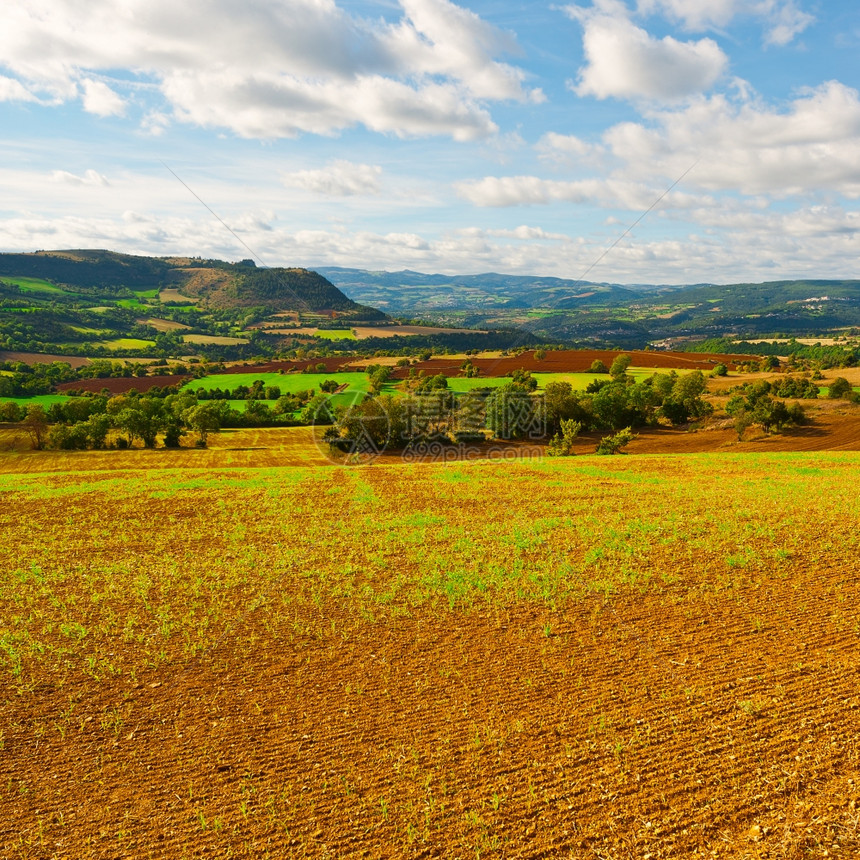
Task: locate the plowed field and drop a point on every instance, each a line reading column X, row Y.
column 600, row 657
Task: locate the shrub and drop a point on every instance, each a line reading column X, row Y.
column 613, row 444
column 597, row 366
column 839, row 388
column 561, row 445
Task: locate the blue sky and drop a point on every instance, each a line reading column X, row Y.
column 439, row 136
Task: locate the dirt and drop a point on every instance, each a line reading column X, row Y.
column 121, row 385
column 75, row 361
column 644, row 727
column 714, row 712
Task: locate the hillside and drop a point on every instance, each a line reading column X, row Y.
column 97, row 302
column 631, row 316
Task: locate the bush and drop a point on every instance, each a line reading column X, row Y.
column 720, row 370
column 613, row 444
column 561, row 445
column 839, row 388
column 597, row 366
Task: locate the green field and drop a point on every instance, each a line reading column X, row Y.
column 33, row 285
column 132, row 304
column 334, row 334
column 128, row 343
column 39, row 399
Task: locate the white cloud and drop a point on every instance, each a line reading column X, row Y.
column 693, row 14
column 13, row 91
column 268, row 70
column 812, row 146
column 101, row 100
column 568, row 148
column 624, row 61
column 784, row 19
column 338, row 179
column 504, row 191
column 91, row 177
column 812, row 242
column 786, row 22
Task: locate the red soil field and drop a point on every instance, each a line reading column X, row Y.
column 697, row 718
column 574, row 361
column 122, row 385
column 556, row 361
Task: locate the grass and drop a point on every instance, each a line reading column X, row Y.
column 128, row 343
column 335, row 334
column 34, row 285
column 470, row 658
column 551, row 532
column 45, row 400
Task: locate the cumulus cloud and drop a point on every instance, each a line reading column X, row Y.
column 505, row 191
column 338, row 179
column 814, row 241
column 91, row 177
column 810, row 146
column 101, row 100
column 270, row 70
column 783, row 19
column 13, row 91
column 568, row 148
column 624, row 61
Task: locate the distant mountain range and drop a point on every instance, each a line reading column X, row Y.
column 414, row 292
column 629, row 315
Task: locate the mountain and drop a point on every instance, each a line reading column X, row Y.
column 213, row 283
column 632, row 316
column 409, row 292
column 101, row 303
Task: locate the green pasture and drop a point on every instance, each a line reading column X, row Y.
column 462, row 384
column 334, row 334
column 33, row 285
column 128, row 343
column 45, row 400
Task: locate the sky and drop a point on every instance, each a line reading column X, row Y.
column 648, row 141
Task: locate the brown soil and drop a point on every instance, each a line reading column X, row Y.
column 680, row 722
column 42, row 358
column 574, row 361
column 559, row 361
column 163, row 325
column 122, row 385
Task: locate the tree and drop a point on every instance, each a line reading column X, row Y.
column 36, row 425
column 204, row 419
column 839, row 388
column 10, row 411
column 619, row 366
column 597, row 366
column 720, row 370
column 685, row 399
column 523, row 380
column 329, row 386
column 513, row 413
